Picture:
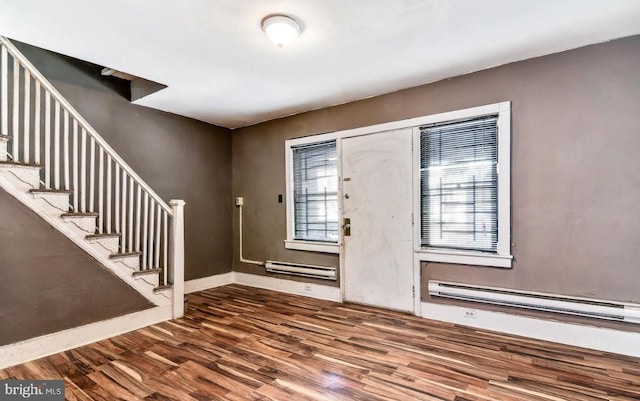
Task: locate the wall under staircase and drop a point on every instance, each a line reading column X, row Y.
column 47, row 283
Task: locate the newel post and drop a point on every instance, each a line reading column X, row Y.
column 177, row 257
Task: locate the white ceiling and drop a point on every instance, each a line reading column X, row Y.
column 219, row 66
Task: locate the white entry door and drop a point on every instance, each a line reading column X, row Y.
column 377, row 188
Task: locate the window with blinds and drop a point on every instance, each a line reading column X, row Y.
column 315, row 192
column 459, row 185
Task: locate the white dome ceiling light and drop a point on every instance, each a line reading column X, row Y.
column 281, row 29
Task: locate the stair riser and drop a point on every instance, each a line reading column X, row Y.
column 108, row 245
column 149, row 283
column 23, row 178
column 86, row 224
column 132, row 262
column 58, row 201
column 47, row 207
column 152, row 279
column 78, row 232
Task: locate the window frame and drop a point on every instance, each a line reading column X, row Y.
column 502, row 257
column 304, row 245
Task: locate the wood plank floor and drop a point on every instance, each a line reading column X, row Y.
column 240, row 343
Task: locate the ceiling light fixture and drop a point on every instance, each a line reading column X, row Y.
column 281, row 29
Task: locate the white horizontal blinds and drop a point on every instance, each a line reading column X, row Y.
column 459, row 184
column 315, row 192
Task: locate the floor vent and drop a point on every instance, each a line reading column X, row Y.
column 322, row 272
column 610, row 310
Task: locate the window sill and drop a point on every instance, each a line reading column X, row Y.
column 465, row 258
column 325, row 247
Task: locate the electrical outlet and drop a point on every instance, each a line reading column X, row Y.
column 470, row 313
column 307, row 287
column 239, row 200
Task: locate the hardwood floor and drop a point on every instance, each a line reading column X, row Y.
column 240, row 343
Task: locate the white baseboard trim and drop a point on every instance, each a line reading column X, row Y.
column 312, row 290
column 206, row 283
column 49, row 344
column 598, row 338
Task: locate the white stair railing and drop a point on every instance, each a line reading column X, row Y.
column 46, row 130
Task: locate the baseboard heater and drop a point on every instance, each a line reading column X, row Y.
column 322, row 272
column 610, row 310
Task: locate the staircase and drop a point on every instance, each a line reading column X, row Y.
column 54, row 162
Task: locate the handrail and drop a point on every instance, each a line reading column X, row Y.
column 83, row 123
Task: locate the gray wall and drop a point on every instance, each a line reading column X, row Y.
column 47, row 283
column 259, row 177
column 575, row 164
column 180, row 158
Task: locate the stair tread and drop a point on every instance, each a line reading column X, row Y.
column 50, row 191
column 147, row 271
column 18, row 164
column 161, row 287
column 104, row 235
column 124, row 254
column 81, row 214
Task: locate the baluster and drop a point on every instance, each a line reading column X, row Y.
column 56, row 145
column 75, row 165
column 165, row 245
column 157, row 251
column 108, row 213
column 27, row 115
column 117, row 199
column 16, row 109
column 83, row 172
column 151, row 236
column 145, row 229
column 101, row 192
column 65, row 147
column 138, row 201
column 123, row 213
column 47, row 140
column 130, row 213
column 5, row 92
column 92, row 173
column 36, row 125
